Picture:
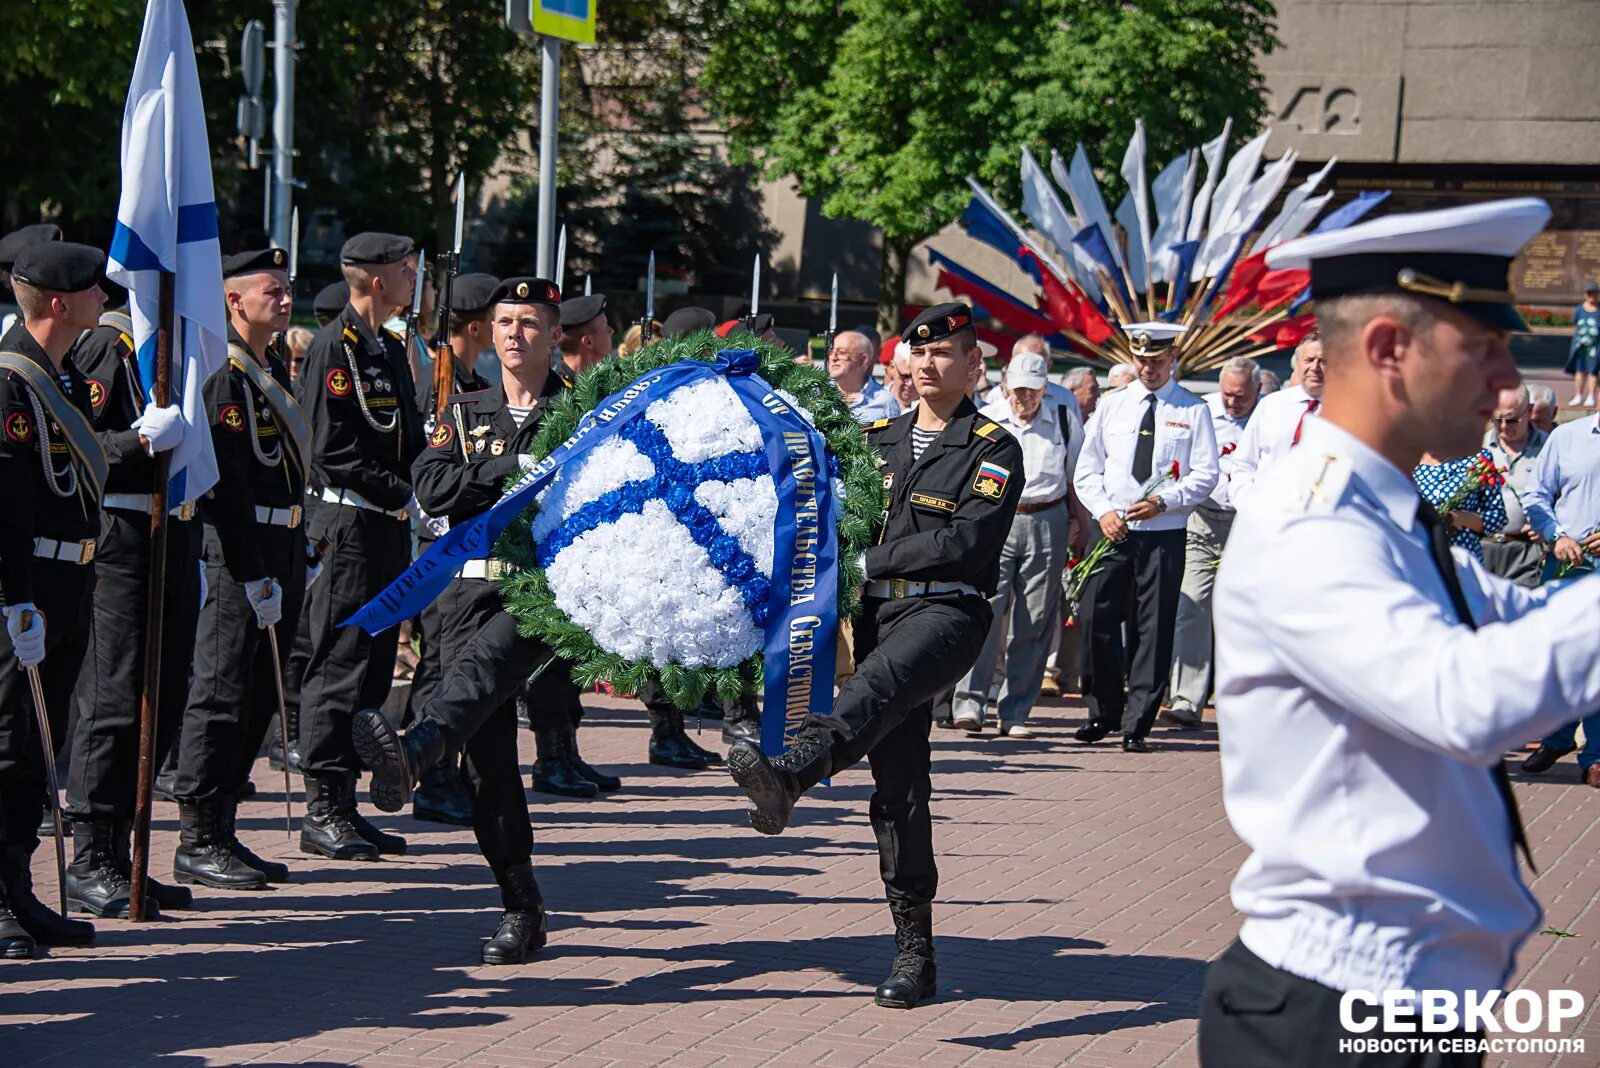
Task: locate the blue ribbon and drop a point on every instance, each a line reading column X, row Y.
column 802, row 609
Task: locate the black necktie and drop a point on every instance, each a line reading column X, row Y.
column 1439, row 546
column 1144, row 450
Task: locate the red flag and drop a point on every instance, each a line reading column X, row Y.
column 1009, row 316
column 1242, row 284
column 1068, row 308
column 1279, row 287
column 1289, row 333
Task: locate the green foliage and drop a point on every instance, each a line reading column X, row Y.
column 527, row 594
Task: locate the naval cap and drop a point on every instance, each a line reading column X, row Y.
column 331, row 299
column 687, row 321
column 375, row 249
column 472, row 294
column 1152, row 338
column 527, row 290
column 255, row 261
column 1460, row 255
column 61, row 266
column 939, row 321
column 12, row 244
column 580, row 311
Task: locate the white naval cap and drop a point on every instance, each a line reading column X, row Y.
column 1148, row 339
column 1461, row 255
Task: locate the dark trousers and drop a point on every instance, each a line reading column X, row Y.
column 348, row 669
column 1253, row 1015
column 64, row 593
column 233, row 698
column 1137, row 584
column 105, row 742
column 907, row 651
column 428, row 629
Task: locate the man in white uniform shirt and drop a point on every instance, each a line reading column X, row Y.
column 1029, row 592
column 1363, row 716
column 1135, row 436
column 1238, row 389
column 1279, row 419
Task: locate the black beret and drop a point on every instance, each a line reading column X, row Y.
column 12, row 244
column 581, row 310
column 331, row 299
column 471, row 294
column 687, row 321
column 527, row 291
column 375, row 248
column 61, row 266
column 939, row 321
column 756, row 324
column 265, row 259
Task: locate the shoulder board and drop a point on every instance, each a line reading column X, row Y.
column 477, row 396
column 350, row 334
column 878, row 424
column 1307, row 482
column 990, row 431
column 394, row 335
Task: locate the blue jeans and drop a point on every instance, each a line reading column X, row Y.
column 1567, row 738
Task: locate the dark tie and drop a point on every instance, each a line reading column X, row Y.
column 1144, row 451
column 1439, row 546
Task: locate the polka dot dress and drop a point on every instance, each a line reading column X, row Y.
column 1437, row 482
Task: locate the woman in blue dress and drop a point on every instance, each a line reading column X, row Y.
column 1583, row 357
column 1482, row 512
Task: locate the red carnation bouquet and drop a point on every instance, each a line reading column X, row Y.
column 1481, row 474
column 1082, row 569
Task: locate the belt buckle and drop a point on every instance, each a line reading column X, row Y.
column 86, row 551
column 296, row 513
column 185, row 511
column 899, row 588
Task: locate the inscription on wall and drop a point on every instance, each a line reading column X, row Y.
column 1352, row 116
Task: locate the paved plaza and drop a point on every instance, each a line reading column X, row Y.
column 1082, row 891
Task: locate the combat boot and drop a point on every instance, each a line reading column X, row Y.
column 275, row 745
column 274, row 872
column 670, row 746
column 15, row 942
column 553, row 772
column 441, row 796
column 773, row 786
column 603, row 782
column 522, row 927
column 203, row 856
column 387, row 845
column 165, row 784
column 397, row 760
column 326, row 830
column 913, row 977
column 742, row 721
column 96, row 883
column 42, row 923
column 167, row 897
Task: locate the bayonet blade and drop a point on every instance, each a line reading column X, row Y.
column 294, row 247
column 833, row 308
column 755, row 287
column 416, row 291
column 650, row 296
column 587, row 280
column 561, row 258
column 461, row 208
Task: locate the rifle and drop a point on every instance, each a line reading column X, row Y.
column 444, row 357
column 647, row 324
column 833, row 317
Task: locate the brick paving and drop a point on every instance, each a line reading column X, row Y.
column 1082, row 892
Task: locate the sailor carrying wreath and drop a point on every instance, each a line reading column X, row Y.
column 695, row 520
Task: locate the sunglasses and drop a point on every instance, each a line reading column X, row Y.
column 1507, row 420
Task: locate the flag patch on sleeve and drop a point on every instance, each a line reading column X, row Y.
column 991, row 480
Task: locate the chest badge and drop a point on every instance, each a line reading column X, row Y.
column 991, row 480
column 497, row 447
column 19, row 427
column 231, row 418
column 478, row 431
column 339, row 382
column 888, row 480
column 441, row 436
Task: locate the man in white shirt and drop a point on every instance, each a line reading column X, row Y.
column 1137, row 436
column 850, row 367
column 1028, row 597
column 1279, row 419
column 1363, row 716
column 1238, row 389
column 1054, row 394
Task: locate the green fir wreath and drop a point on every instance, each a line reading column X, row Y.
column 528, row 596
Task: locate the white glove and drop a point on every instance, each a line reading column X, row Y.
column 437, row 525
column 266, row 601
column 162, row 428
column 28, row 643
column 526, row 461
column 414, row 510
column 313, row 572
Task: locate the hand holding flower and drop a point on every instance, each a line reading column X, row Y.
column 1113, row 526
column 1144, row 509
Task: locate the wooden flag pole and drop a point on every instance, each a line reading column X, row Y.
column 154, row 597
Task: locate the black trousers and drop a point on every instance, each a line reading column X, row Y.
column 1253, row 1015
column 347, row 668
column 428, row 628
column 64, row 593
column 907, row 651
column 1137, row 584
column 105, row 742
column 233, row 699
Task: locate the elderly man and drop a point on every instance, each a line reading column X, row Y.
column 1066, row 643
column 897, row 378
column 1209, row 524
column 1120, row 376
column 1053, row 393
column 1515, row 444
column 850, row 367
column 1029, row 593
column 1542, row 408
column 1082, row 384
column 1279, row 419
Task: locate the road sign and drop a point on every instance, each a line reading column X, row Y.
column 569, row 20
column 252, row 56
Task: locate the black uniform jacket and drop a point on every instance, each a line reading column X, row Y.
column 238, row 413
column 105, row 355
column 357, row 395
column 472, row 450
column 466, row 382
column 32, row 509
column 949, row 512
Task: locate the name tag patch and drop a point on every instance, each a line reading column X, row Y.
column 934, row 502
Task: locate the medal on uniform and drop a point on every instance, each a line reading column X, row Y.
column 497, row 447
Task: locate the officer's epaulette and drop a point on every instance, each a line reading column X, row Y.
column 989, row 431
column 350, row 334
column 877, row 424
column 473, row 397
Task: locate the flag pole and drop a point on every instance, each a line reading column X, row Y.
column 154, row 591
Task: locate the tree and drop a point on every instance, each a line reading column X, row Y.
column 881, row 108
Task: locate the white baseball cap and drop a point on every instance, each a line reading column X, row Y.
column 1027, row 370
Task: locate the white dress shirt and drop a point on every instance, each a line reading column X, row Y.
column 1228, row 430
column 1359, row 722
column 1104, row 474
column 1270, row 434
column 1049, row 449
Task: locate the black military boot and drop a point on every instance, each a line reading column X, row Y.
column 388, row 845
column 773, row 786
column 603, row 782
column 912, row 979
column 670, row 746
column 326, row 830
column 441, row 796
column 163, row 787
column 397, row 760
column 96, row 883
column 275, row 745
column 15, row 942
column 274, row 872
column 553, row 772
column 166, row 897
column 742, row 720
column 203, row 856
column 42, row 923
column 522, row 926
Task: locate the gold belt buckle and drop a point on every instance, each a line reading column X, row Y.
column 295, row 515
column 899, row 588
column 185, row 511
column 86, row 551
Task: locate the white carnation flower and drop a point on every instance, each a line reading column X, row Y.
column 746, row 508
column 608, row 466
column 705, row 420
